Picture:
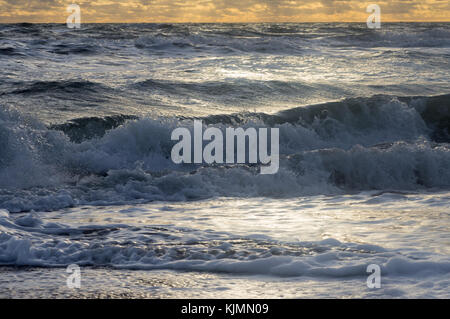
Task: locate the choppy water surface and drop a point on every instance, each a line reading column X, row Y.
column 86, row 175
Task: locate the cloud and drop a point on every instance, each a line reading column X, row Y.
column 222, row 10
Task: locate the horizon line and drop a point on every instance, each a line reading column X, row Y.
column 271, row 22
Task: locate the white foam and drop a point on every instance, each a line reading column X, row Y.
column 42, row 170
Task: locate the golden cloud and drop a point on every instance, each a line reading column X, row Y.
column 223, row 10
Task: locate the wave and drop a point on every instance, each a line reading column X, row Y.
column 293, row 38
column 376, row 143
column 401, row 117
column 233, row 90
column 395, row 36
column 184, row 250
column 70, row 48
column 221, row 39
column 9, row 51
column 87, row 128
column 64, row 87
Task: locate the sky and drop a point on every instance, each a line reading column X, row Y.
column 54, row 11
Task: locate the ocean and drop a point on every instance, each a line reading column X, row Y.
column 87, row 179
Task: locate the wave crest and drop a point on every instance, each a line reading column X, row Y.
column 353, row 145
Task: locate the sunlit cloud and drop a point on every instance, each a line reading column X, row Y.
column 223, row 10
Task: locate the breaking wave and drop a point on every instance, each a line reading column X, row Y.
column 381, row 142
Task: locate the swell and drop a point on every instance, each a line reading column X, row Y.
column 63, row 87
column 222, row 39
column 9, row 51
column 86, row 128
column 268, row 37
column 81, row 49
column 242, row 88
column 371, row 113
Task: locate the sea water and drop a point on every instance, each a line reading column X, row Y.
column 86, row 176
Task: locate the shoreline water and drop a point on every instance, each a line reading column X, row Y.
column 44, row 283
column 228, row 248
